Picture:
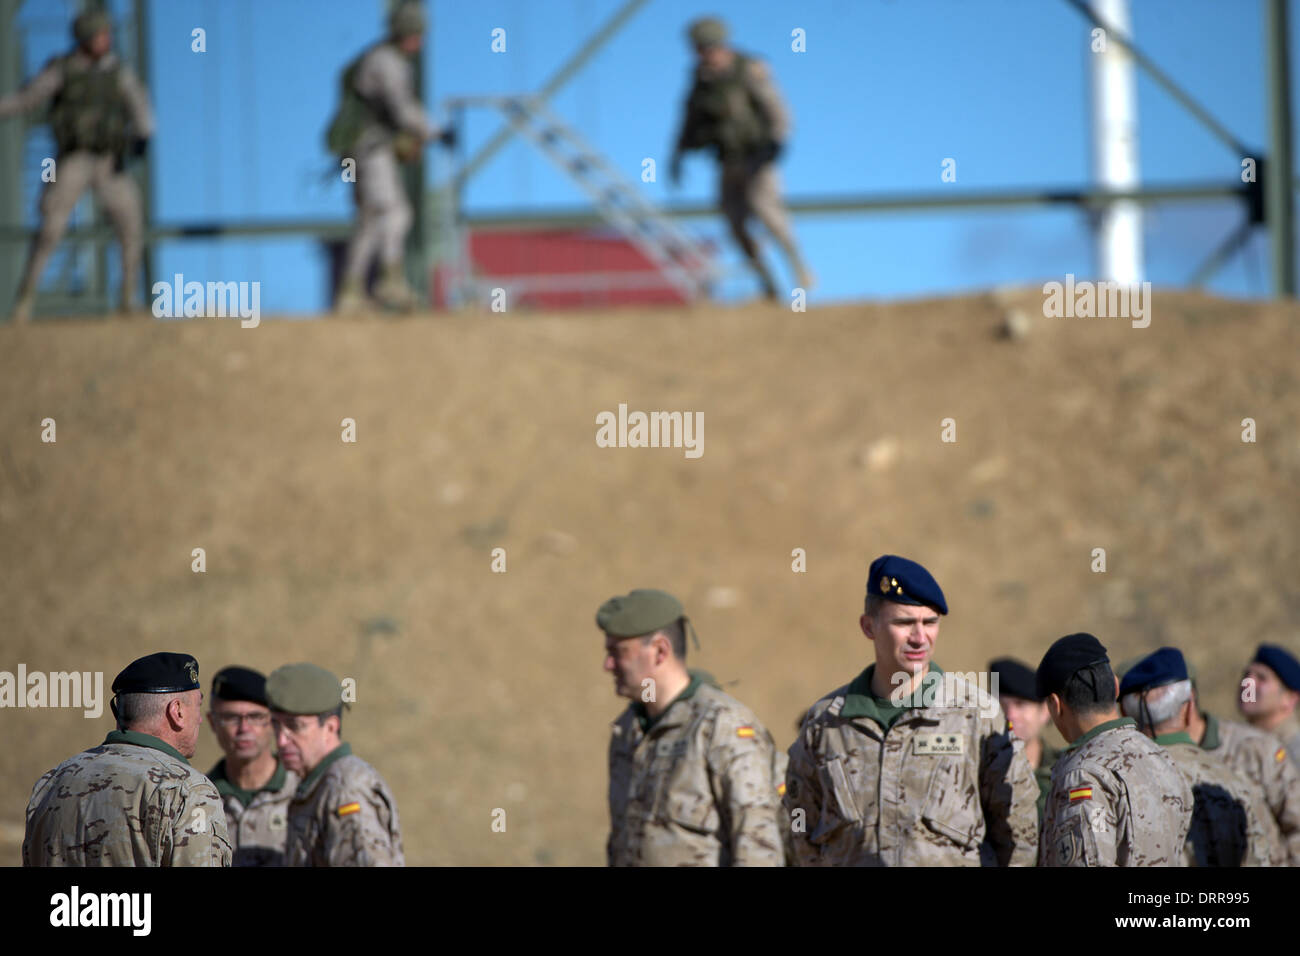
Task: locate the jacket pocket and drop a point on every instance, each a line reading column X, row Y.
column 952, row 808
column 839, row 807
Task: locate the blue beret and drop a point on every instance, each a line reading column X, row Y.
column 1158, row 668
column 904, row 582
column 239, row 683
column 1067, row 656
column 1014, row 678
column 1284, row 665
column 162, row 673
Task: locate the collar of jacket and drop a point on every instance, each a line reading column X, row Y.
column 1100, row 729
column 227, row 789
column 860, row 700
column 137, row 739
column 1182, row 737
column 342, row 750
column 1211, row 739
column 647, row 723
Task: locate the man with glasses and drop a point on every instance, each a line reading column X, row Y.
column 342, row 813
column 255, row 786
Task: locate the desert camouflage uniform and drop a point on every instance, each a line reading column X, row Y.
column 258, row 820
column 343, row 814
column 1289, row 734
column 79, row 167
column 1231, row 826
column 697, row 787
column 385, row 78
column 1043, row 776
column 131, row 801
column 1117, row 800
column 943, row 785
column 1261, row 758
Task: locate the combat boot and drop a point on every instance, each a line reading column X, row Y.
column 351, row 299
column 392, row 290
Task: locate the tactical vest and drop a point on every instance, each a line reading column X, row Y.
column 89, row 112
column 355, row 112
column 725, row 114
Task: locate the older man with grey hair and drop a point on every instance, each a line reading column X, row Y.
column 1231, row 824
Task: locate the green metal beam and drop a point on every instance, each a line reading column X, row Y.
column 1279, row 207
column 11, row 151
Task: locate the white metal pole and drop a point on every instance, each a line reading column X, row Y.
column 1115, row 146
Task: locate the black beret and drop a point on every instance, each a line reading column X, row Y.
column 161, row 673
column 904, row 582
column 239, row 683
column 1158, row 668
column 1286, row 667
column 1067, row 655
column 1014, row 678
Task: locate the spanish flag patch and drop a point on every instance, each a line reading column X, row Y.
column 1280, row 755
column 347, row 808
column 745, row 732
column 1080, row 793
column 780, row 789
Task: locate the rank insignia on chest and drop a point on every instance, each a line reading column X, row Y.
column 671, row 748
column 347, row 808
column 1080, row 793
column 938, row 745
column 278, row 821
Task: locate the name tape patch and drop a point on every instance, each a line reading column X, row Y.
column 939, row 744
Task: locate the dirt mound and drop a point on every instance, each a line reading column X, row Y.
column 480, row 690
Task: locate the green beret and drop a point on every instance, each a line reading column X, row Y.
column 162, row 673
column 303, row 689
column 89, row 25
column 643, row 611
column 707, row 31
column 406, row 20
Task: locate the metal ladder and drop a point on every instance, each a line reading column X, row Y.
column 682, row 260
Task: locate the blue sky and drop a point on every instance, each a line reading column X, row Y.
column 885, row 91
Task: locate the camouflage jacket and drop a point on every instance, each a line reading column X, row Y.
column 258, row 821
column 1231, row 826
column 343, row 814
column 1117, row 800
column 1043, row 776
column 945, row 784
column 699, row 786
column 49, row 84
column 385, row 81
column 1289, row 734
column 1261, row 758
column 131, row 801
column 734, row 112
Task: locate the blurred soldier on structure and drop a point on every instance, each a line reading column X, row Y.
column 134, row 800
column 99, row 113
column 734, row 108
column 379, row 124
column 255, row 786
column 1273, row 703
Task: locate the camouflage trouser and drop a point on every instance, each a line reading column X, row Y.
column 749, row 190
column 383, row 214
column 118, row 197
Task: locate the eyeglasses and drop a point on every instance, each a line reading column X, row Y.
column 257, row 721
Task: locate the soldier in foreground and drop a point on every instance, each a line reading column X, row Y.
column 888, row 772
column 1273, row 704
column 1117, row 798
column 134, row 800
column 342, row 813
column 1231, row 826
column 735, row 110
column 255, row 786
column 694, row 777
column 381, row 124
column 1027, row 717
column 99, row 113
